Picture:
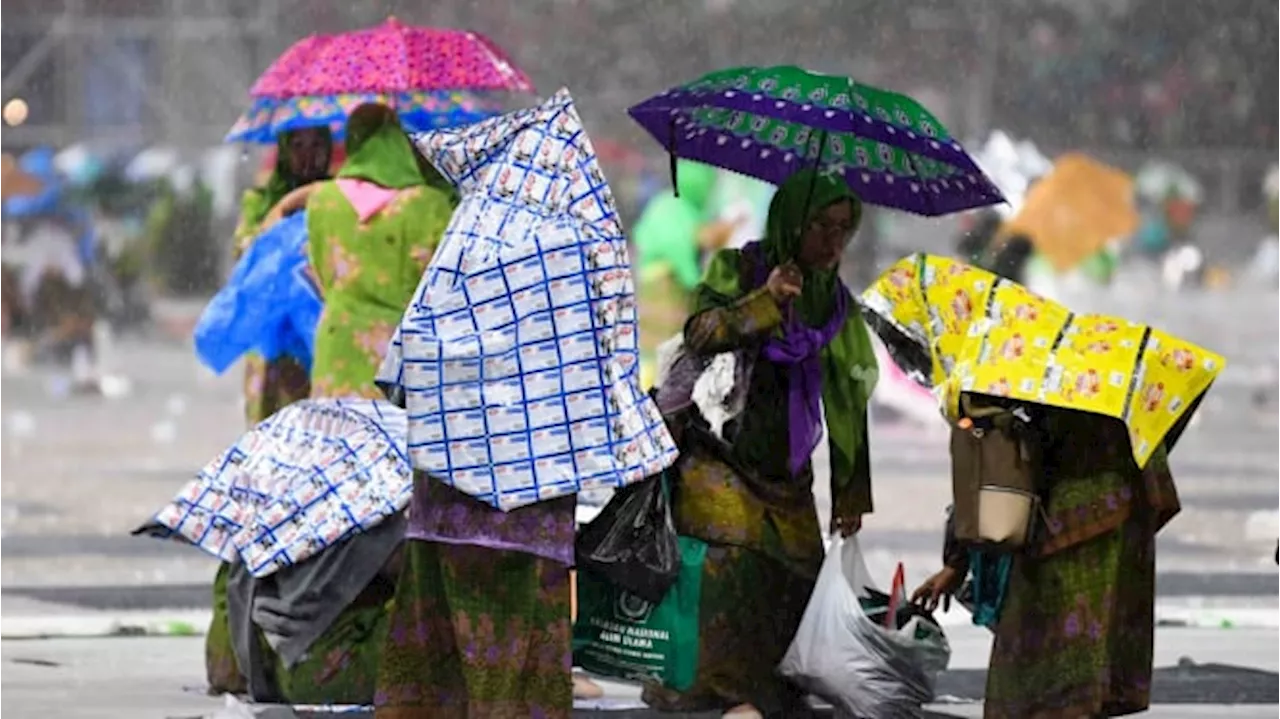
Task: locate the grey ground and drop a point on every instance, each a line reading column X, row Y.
column 81, row 472
column 161, row 677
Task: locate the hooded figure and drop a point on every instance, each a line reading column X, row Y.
column 372, row 232
column 747, row 497
column 668, row 264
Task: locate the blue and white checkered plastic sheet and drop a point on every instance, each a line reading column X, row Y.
column 517, row 357
column 302, row 480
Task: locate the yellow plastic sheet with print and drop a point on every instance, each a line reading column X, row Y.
column 956, row 328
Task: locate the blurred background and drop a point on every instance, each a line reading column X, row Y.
column 132, row 99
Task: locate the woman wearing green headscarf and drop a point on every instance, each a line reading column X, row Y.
column 779, row 304
column 372, row 232
column 302, row 158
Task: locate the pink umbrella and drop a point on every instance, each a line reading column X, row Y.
column 391, row 58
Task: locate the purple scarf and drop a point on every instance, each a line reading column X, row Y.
column 800, row 349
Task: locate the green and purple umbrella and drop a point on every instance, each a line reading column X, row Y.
column 769, row 122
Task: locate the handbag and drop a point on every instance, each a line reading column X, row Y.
column 993, row 477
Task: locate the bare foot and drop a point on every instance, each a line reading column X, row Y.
column 584, row 688
column 744, row 711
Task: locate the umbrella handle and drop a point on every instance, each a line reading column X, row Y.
column 671, row 156
column 813, row 181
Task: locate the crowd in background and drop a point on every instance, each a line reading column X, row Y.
column 1149, row 79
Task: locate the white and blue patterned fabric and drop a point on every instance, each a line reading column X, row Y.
column 517, row 357
column 302, row 480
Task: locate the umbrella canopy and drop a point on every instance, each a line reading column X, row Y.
column 16, row 182
column 434, row 78
column 268, row 117
column 1079, row 208
column 152, row 163
column 45, row 197
column 957, row 329
column 391, row 58
column 770, row 122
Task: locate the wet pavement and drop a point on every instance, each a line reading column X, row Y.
column 163, row 677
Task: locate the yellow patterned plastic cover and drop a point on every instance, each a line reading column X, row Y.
column 956, row 328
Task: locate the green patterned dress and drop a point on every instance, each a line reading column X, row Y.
column 367, row 271
column 1076, row 630
column 367, row 274
column 744, row 499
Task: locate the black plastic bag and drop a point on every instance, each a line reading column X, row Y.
column 632, row 542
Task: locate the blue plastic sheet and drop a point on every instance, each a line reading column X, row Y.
column 269, row 305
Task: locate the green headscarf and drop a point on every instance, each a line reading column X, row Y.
column 849, row 368
column 666, row 235
column 695, row 180
column 378, row 151
column 797, row 201
column 667, row 232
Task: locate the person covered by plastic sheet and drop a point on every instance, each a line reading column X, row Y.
column 1072, row 610
column 372, row 231
column 302, row 158
column 1076, row 624
column 778, row 303
column 352, row 260
column 669, row 260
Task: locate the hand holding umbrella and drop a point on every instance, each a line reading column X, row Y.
column 785, row 283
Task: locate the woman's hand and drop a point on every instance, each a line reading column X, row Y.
column 938, row 588
column 846, row 526
column 290, row 203
column 785, row 282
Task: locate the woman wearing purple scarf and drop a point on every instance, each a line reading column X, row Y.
column 779, row 304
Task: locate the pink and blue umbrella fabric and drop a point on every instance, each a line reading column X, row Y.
column 300, row 481
column 421, row 111
column 391, row 58
column 52, row 202
column 269, row 305
column 433, row 77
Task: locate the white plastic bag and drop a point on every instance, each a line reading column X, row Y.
column 862, row 668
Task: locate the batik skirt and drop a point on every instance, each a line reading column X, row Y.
column 1077, row 628
column 477, row 632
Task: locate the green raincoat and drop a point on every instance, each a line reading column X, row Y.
column 667, row 259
